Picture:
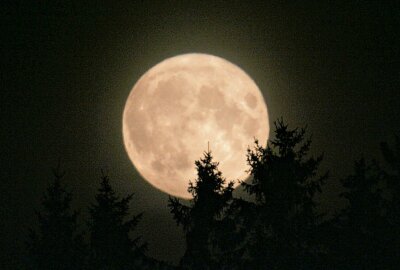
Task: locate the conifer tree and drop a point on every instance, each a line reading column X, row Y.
column 199, row 219
column 284, row 220
column 358, row 229
column 57, row 244
column 367, row 229
column 392, row 207
column 392, row 179
column 110, row 226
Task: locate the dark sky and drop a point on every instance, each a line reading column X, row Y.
column 67, row 69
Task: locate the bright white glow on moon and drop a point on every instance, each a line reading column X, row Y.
column 180, row 105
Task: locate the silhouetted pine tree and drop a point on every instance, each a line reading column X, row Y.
column 284, row 220
column 366, row 232
column 392, row 208
column 210, row 197
column 57, row 244
column 357, row 233
column 392, row 178
column 231, row 234
column 112, row 247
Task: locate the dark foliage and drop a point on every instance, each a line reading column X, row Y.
column 110, row 230
column 57, row 244
column 392, row 213
column 358, row 229
column 284, row 222
column 278, row 227
column 199, row 220
column 392, row 181
column 366, row 232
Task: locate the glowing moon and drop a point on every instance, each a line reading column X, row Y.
column 184, row 102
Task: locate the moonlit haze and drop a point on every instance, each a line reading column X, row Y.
column 180, row 105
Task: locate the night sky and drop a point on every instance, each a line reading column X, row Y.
column 67, row 70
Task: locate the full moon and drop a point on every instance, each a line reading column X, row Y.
column 179, row 106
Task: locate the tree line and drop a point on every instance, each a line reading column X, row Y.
column 277, row 226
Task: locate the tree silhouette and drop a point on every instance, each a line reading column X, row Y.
column 392, row 179
column 231, row 234
column 199, row 219
column 110, row 228
column 392, row 210
column 284, row 220
column 57, row 245
column 358, row 229
column 367, row 234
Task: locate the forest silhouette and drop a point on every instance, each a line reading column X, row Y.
column 277, row 226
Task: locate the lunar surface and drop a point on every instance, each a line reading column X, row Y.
column 180, row 105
